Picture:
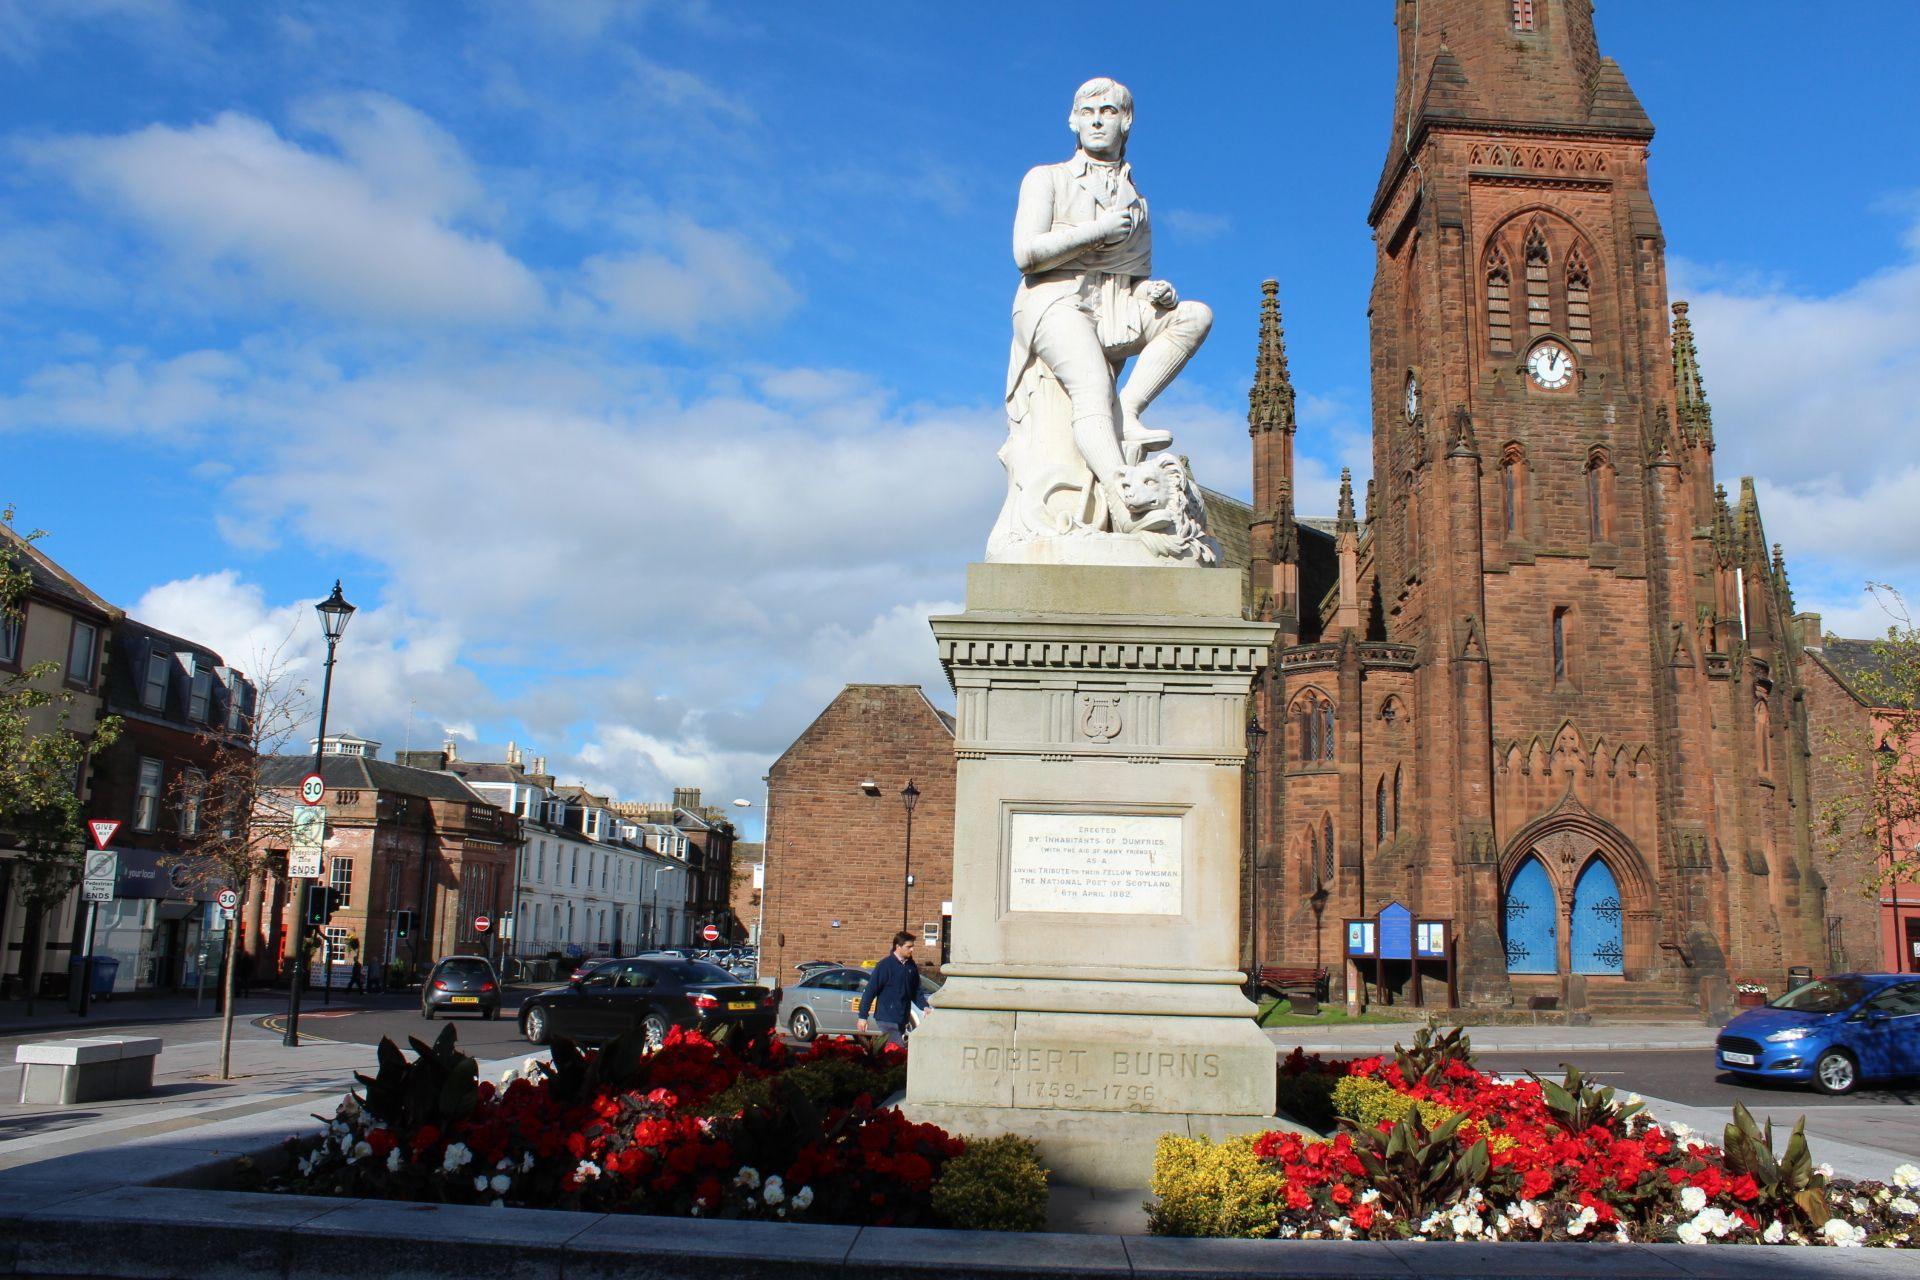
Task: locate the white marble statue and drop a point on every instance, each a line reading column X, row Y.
column 1081, row 488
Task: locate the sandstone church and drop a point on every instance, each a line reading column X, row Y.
column 1548, row 687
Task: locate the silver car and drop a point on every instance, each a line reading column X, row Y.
column 827, row 1001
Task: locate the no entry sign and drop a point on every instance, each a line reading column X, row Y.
column 711, row 933
column 482, row 923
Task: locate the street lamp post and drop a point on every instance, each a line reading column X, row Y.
column 334, row 612
column 909, row 796
column 1256, row 735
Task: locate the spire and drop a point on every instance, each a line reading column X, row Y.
column 1270, row 401
column 1696, row 415
column 1780, row 582
column 1346, row 521
column 1369, row 518
column 1461, row 442
column 1660, row 438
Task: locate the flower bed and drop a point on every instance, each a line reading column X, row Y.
column 1430, row 1147
column 693, row 1128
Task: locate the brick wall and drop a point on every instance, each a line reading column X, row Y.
column 835, row 852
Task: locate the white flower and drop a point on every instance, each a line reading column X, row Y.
column 1369, row 1195
column 586, row 1170
column 1342, row 1228
column 1824, row 1169
column 1901, row 1204
column 1774, row 1233
column 500, row 1182
column 1535, row 1216
column 1693, row 1199
column 1715, row 1222
column 457, row 1157
column 526, row 1162
column 480, row 1182
column 531, row 1068
column 802, row 1199
column 748, row 1177
column 509, row 1076
column 496, row 1203
column 1679, row 1130
column 1839, row 1231
column 1861, row 1206
column 1582, row 1220
column 393, row 1160
column 1634, row 1099
column 775, row 1191
column 1689, row 1233
column 361, row 1151
column 1907, row 1177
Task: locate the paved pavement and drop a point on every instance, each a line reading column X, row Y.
column 1363, row 1038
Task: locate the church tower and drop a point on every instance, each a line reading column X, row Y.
column 1560, row 701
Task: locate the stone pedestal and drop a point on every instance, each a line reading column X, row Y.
column 1093, row 1000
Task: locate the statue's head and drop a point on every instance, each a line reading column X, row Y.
column 1101, row 117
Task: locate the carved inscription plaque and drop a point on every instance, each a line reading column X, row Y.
column 1109, row 864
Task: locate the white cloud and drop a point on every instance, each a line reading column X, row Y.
column 1195, row 225
column 1818, row 396
column 695, row 279
column 367, row 233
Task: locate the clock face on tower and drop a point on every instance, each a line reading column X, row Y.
column 1550, row 365
column 1413, row 396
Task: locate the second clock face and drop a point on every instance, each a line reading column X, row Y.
column 1550, row 365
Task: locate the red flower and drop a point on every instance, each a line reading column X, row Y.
column 1342, row 1194
column 1363, row 1217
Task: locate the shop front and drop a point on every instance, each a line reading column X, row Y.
column 163, row 928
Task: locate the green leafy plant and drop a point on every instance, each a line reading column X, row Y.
column 1203, row 1188
column 997, row 1184
column 1788, row 1183
column 1581, row 1104
column 1429, row 1054
column 1417, row 1170
column 440, row 1086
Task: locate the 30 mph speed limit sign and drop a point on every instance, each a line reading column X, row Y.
column 313, row 788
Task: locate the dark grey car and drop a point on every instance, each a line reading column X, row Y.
column 461, row 984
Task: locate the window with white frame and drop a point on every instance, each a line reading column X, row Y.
column 10, row 630
column 153, row 690
column 340, row 879
column 540, row 863
column 193, row 791
column 146, row 795
column 336, row 943
column 83, row 653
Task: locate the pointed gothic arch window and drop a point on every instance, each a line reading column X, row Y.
column 1513, row 491
column 1499, row 301
column 1313, row 854
column 1411, row 500
column 1327, row 862
column 1326, row 731
column 1562, row 644
column 1380, row 810
column 1313, row 718
column 1579, row 301
column 1599, row 496
column 1396, row 799
column 1538, row 260
column 1763, row 735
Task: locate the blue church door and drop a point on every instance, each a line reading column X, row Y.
column 1597, row 945
column 1532, row 921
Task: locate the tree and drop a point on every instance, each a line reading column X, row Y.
column 41, row 756
column 1876, row 812
column 236, row 822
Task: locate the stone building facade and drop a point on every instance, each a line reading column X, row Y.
column 835, row 883
column 1547, row 687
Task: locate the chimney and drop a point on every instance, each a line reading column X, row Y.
column 540, row 764
column 687, row 798
column 453, row 752
column 1807, row 627
column 513, row 754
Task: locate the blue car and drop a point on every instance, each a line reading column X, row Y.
column 1833, row 1032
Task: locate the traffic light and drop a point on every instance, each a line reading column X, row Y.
column 319, row 905
column 402, row 923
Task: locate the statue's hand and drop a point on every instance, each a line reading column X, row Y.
column 1114, row 225
column 1160, row 293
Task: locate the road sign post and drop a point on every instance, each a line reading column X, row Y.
column 101, row 874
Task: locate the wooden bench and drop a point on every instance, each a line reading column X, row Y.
column 1303, row 986
column 88, row 1069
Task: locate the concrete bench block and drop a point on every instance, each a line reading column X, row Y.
column 86, row 1069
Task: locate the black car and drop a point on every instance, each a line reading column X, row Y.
column 461, row 984
column 652, row 995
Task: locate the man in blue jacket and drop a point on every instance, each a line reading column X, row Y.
column 892, row 991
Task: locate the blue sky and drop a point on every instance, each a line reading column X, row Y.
column 637, row 365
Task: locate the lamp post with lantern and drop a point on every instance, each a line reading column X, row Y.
column 1256, row 735
column 334, row 614
column 909, row 796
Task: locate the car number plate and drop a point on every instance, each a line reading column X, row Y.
column 741, row 1006
column 1738, row 1059
column 466, row 999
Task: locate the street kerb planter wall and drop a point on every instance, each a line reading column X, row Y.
column 165, row 1208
